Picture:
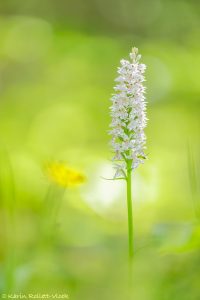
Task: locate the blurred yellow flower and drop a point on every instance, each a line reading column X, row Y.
column 63, row 175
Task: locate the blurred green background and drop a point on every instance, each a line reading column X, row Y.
column 58, row 61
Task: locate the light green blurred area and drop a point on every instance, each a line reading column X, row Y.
column 56, row 78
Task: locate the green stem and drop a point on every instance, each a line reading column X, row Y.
column 130, row 215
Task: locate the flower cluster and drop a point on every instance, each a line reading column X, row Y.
column 128, row 112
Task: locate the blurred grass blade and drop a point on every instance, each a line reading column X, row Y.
column 193, row 180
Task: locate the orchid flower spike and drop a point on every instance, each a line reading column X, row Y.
column 128, row 113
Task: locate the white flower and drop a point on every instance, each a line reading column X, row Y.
column 128, row 113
